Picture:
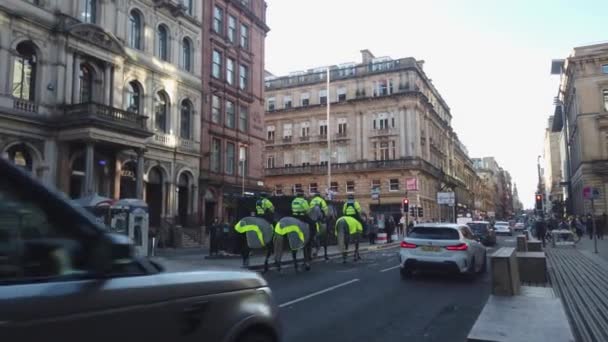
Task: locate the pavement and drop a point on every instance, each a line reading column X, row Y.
column 368, row 301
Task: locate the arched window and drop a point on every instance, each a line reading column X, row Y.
column 86, row 83
column 88, row 11
column 135, row 30
column 133, row 97
column 163, row 42
column 20, row 156
column 161, row 108
column 185, row 120
column 24, row 72
column 187, row 54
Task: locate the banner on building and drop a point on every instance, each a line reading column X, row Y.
column 411, row 184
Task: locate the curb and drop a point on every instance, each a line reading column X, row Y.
column 332, row 255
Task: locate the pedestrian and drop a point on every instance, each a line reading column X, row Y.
column 410, row 226
column 402, row 226
column 601, row 226
column 390, row 228
column 579, row 227
column 372, row 230
column 541, row 230
column 589, row 226
column 213, row 237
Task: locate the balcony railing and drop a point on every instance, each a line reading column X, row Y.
column 383, row 132
column 188, row 145
column 363, row 166
column 105, row 114
column 25, row 106
column 305, row 138
column 341, row 135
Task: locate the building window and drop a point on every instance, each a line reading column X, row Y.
column 243, row 119
column 230, row 71
column 297, row 188
column 243, row 77
column 384, row 150
column 341, row 94
column 305, row 99
column 376, row 184
column 383, row 88
column 20, row 156
column 230, row 114
column 287, row 102
column 187, row 54
column 305, row 130
column 24, row 72
column 342, row 128
column 270, row 133
column 334, row 186
column 218, row 20
column 189, row 6
column 133, row 97
column 135, row 30
column 606, row 99
column 270, row 162
column 231, row 29
column 393, row 150
column 323, row 96
column 393, row 185
column 216, row 147
column 162, row 35
column 287, row 159
column 185, row 120
column 605, row 68
column 216, row 70
column 350, row 187
column 88, row 11
column 312, row 188
column 86, row 84
column 278, row 189
column 287, row 131
column 271, row 104
column 161, row 106
column 230, row 151
column 323, row 128
column 216, row 109
column 244, row 36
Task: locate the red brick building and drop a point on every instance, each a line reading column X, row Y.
column 233, row 38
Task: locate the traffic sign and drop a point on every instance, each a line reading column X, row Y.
column 446, row 198
column 591, row 193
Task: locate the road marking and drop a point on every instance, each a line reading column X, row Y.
column 318, row 293
column 390, row 268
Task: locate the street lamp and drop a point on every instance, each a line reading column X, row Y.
column 242, row 160
column 328, row 139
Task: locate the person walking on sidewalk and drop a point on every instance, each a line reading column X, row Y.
column 589, row 226
column 390, row 228
column 601, row 226
column 213, row 237
column 541, row 230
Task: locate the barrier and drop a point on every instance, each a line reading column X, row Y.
column 505, row 272
column 381, row 238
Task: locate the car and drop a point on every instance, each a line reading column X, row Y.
column 503, row 228
column 484, row 231
column 441, row 247
column 519, row 226
column 64, row 276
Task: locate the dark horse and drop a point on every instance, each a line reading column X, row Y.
column 322, row 237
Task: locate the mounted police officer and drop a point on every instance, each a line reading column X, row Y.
column 352, row 208
column 317, row 200
column 264, row 208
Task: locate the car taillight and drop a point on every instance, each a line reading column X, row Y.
column 407, row 245
column 460, row 247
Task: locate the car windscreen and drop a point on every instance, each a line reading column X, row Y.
column 478, row 227
column 434, row 233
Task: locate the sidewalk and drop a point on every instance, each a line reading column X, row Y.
column 196, row 258
column 580, row 278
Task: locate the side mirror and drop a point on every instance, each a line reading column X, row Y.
column 112, row 250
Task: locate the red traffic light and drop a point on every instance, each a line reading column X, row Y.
column 406, row 201
column 539, row 197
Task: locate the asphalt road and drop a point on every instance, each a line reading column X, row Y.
column 368, row 301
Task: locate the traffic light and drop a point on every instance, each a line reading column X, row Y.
column 412, row 211
column 539, row 202
column 406, row 205
column 420, row 212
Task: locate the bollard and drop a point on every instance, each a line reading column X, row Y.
column 522, row 245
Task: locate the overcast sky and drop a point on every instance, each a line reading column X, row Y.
column 489, row 59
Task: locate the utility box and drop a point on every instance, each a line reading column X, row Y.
column 130, row 217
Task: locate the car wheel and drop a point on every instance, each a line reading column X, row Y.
column 405, row 273
column 256, row 337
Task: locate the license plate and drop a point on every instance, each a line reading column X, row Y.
column 430, row 248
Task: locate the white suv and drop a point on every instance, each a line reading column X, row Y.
column 442, row 247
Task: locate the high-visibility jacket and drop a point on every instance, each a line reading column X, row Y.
column 264, row 206
column 354, row 226
column 351, row 208
column 318, row 200
column 299, row 206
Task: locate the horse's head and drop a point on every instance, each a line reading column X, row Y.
column 315, row 213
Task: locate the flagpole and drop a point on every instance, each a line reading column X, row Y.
column 328, row 140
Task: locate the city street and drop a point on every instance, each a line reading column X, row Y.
column 368, row 301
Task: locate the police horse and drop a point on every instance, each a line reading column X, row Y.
column 258, row 234
column 324, row 231
column 298, row 235
column 348, row 229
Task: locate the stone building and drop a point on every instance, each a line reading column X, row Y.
column 233, row 37
column 103, row 96
column 552, row 174
column 581, row 119
column 390, row 133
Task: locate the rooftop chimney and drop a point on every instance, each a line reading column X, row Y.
column 367, row 56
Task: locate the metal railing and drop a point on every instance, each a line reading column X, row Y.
column 117, row 116
column 25, row 106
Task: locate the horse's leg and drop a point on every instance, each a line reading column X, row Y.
column 325, row 243
column 294, row 256
column 357, row 255
column 342, row 244
column 268, row 253
column 278, row 251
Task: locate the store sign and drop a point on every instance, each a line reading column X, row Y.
column 448, row 198
column 411, row 184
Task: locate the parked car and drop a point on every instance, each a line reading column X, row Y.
column 519, row 226
column 65, row 277
column 503, row 228
column 443, row 247
column 484, row 231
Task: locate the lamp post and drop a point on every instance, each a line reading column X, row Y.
column 328, row 139
column 242, row 159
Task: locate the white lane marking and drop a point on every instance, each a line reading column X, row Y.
column 390, row 268
column 318, row 293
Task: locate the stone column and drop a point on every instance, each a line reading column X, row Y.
column 139, row 178
column 4, row 69
column 68, row 78
column 76, row 80
column 108, row 86
column 89, row 168
column 50, row 161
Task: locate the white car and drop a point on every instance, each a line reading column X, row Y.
column 503, row 228
column 442, row 247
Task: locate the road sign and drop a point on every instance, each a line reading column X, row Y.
column 591, row 193
column 375, row 193
column 448, row 198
